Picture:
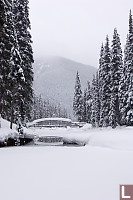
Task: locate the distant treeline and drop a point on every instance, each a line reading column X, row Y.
column 45, row 108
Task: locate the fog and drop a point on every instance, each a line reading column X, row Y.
column 75, row 29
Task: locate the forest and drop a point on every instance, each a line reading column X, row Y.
column 108, row 100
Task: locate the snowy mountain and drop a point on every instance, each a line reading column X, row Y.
column 54, row 79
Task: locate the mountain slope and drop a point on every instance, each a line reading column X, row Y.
column 54, row 79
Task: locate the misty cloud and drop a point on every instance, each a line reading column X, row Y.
column 76, row 28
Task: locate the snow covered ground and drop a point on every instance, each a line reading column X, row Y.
column 91, row 172
column 119, row 138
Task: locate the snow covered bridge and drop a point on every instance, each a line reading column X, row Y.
column 52, row 122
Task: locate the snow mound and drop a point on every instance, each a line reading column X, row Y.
column 5, row 129
column 5, row 123
column 121, row 139
column 86, row 126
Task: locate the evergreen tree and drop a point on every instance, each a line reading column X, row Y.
column 88, row 102
column 93, row 106
column 104, row 84
column 97, row 101
column 78, row 100
column 22, row 26
column 100, row 70
column 116, row 66
column 16, row 76
column 128, row 65
column 123, row 88
column 5, row 53
column 11, row 72
column 101, row 81
column 85, row 106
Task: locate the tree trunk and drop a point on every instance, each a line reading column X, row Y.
column 11, row 122
column 0, row 120
column 12, row 111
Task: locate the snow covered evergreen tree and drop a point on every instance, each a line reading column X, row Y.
column 97, row 101
column 128, row 66
column 85, row 106
column 22, row 26
column 78, row 100
column 123, row 88
column 104, row 81
column 5, row 53
column 100, row 70
column 101, row 81
column 93, row 106
column 14, row 90
column 11, row 71
column 88, row 102
column 16, row 76
column 116, row 68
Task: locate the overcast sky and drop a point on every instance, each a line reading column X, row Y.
column 75, row 29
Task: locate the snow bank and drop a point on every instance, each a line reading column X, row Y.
column 4, row 123
column 5, row 129
column 76, row 139
column 120, row 138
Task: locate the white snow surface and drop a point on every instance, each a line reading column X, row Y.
column 6, row 124
column 5, row 131
column 120, row 138
column 91, row 172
